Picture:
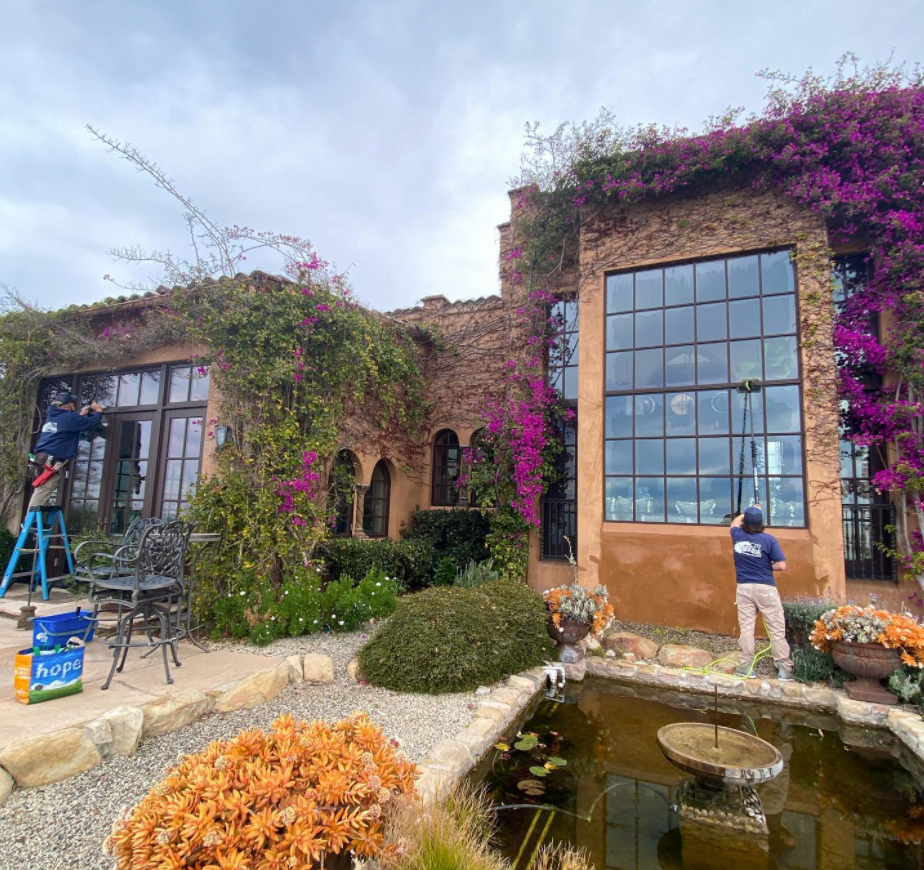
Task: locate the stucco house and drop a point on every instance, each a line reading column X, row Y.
column 672, row 304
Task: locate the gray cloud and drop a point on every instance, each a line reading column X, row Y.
column 384, row 132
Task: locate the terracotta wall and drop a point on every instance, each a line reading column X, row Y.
column 683, row 575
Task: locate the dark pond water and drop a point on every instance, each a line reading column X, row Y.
column 849, row 798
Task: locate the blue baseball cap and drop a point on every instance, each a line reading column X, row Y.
column 753, row 516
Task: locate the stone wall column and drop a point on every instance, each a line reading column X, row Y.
column 359, row 504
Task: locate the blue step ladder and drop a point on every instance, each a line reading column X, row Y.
column 44, row 535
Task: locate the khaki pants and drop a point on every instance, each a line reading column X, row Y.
column 41, row 495
column 754, row 598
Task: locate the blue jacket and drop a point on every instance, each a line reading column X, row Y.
column 61, row 432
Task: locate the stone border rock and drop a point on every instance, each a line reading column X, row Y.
column 904, row 723
column 497, row 710
column 48, row 758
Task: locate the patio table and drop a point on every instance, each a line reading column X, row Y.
column 184, row 607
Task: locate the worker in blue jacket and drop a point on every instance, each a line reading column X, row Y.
column 57, row 445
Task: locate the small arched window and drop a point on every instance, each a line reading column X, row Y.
column 342, row 478
column 375, row 508
column 447, row 457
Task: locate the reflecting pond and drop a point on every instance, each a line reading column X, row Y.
column 586, row 769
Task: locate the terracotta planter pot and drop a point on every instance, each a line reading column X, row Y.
column 869, row 663
column 570, row 633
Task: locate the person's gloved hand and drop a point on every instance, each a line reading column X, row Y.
column 96, row 406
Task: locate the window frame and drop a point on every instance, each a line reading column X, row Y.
column 386, row 499
column 440, row 470
column 695, row 388
column 159, row 412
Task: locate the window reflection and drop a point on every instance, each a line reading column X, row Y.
column 679, row 342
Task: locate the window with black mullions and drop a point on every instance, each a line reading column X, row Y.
column 679, row 341
column 563, row 353
column 447, row 458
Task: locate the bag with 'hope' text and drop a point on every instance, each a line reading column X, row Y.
column 44, row 675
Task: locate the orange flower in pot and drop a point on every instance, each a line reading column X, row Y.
column 870, row 644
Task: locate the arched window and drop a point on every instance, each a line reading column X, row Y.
column 342, row 478
column 375, row 509
column 447, row 457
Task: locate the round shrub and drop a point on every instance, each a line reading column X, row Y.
column 291, row 798
column 454, row 639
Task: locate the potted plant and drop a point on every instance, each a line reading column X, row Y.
column 869, row 644
column 575, row 611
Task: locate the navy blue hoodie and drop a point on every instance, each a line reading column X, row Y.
column 61, row 432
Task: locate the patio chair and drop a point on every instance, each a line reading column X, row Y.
column 98, row 565
column 145, row 588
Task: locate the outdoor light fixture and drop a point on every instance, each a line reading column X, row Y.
column 222, row 435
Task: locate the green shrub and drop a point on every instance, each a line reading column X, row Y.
column 907, row 684
column 7, row 543
column 262, row 613
column 801, row 615
column 445, row 573
column 452, row 639
column 458, row 534
column 814, row 666
column 408, row 562
column 476, row 573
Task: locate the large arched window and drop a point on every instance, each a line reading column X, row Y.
column 447, row 456
column 342, row 478
column 375, row 509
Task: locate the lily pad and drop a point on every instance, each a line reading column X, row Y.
column 525, row 784
column 527, row 744
column 538, row 771
column 555, row 761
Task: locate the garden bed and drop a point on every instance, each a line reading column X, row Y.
column 63, row 825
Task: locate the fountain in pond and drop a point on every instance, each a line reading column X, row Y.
column 722, row 821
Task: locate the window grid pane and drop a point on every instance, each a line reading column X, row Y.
column 677, row 441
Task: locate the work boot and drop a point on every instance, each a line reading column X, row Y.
column 784, row 674
column 745, row 671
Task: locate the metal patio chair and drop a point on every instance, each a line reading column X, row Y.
column 100, row 565
column 145, row 589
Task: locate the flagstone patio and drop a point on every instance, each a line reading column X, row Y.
column 141, row 682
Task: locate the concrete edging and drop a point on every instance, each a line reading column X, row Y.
column 905, row 723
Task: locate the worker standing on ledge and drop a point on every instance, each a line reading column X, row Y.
column 57, row 444
column 757, row 556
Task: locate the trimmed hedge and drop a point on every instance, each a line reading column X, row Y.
column 409, row 562
column 454, row 639
column 458, row 535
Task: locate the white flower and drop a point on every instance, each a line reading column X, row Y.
column 379, row 584
column 242, row 592
column 341, row 622
column 272, row 619
column 373, row 593
column 286, row 592
column 315, row 622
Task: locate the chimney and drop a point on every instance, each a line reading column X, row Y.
column 432, row 303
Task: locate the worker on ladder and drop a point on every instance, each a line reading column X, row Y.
column 57, row 445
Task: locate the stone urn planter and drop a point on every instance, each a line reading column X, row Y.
column 567, row 635
column 869, row 663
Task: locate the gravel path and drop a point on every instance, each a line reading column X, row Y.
column 719, row 644
column 62, row 826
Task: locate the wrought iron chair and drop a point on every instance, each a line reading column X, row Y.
column 99, row 565
column 145, row 588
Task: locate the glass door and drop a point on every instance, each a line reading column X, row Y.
column 180, row 458
column 130, row 490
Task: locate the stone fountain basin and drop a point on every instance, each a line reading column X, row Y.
column 741, row 759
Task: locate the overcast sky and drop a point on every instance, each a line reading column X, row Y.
column 385, row 132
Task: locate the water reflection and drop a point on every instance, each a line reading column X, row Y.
column 847, row 798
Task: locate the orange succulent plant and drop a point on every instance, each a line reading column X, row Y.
column 281, row 800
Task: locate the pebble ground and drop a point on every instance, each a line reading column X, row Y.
column 62, row 826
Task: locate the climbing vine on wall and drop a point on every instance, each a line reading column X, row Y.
column 851, row 149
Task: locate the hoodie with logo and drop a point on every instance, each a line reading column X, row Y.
column 62, row 430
